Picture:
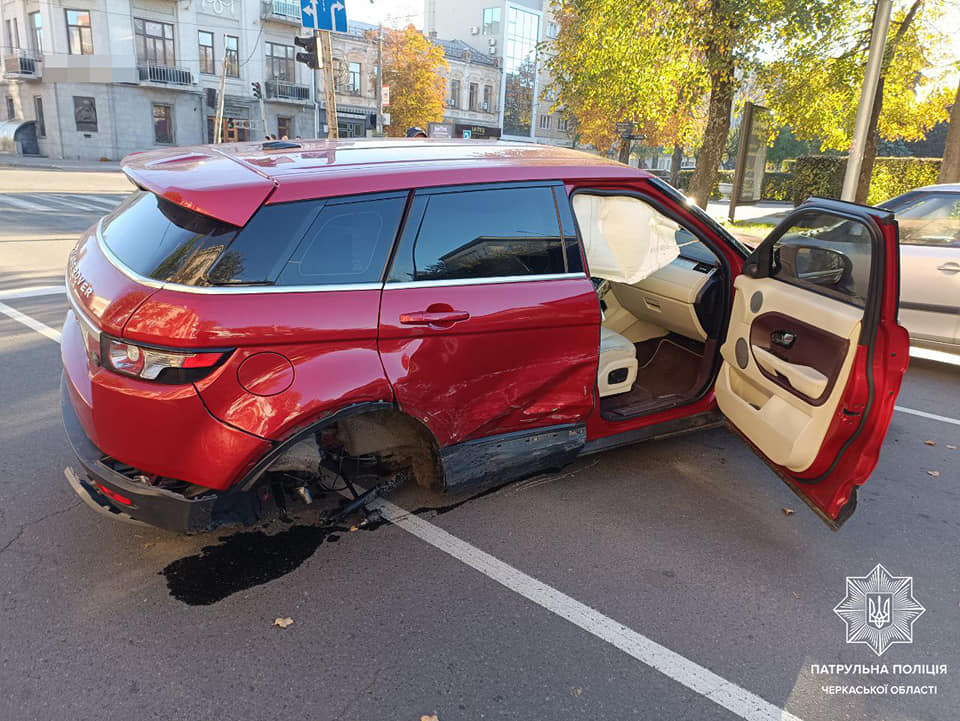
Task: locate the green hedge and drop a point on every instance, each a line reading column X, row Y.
column 777, row 186
column 823, row 176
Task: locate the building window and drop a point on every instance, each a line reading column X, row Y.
column 162, row 123
column 13, row 34
column 231, row 55
column 473, row 96
column 454, row 100
column 280, row 62
column 36, row 32
column 79, row 32
column 353, row 78
column 85, row 113
column 38, row 114
column 154, row 43
column 487, row 98
column 11, row 111
column 552, row 30
column 207, row 63
column 491, row 21
column 545, row 122
column 284, row 127
column 520, row 71
column 562, row 124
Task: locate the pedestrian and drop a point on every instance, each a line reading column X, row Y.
column 416, row 132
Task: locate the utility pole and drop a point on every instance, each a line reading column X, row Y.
column 380, row 128
column 218, row 125
column 871, row 76
column 333, row 130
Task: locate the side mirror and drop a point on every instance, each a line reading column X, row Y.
column 816, row 265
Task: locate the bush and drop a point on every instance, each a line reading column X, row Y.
column 777, row 186
column 723, row 176
column 823, row 176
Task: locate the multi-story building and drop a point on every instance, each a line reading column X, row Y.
column 509, row 31
column 472, row 103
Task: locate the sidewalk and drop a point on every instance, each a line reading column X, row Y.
column 766, row 212
column 36, row 162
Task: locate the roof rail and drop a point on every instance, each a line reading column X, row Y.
column 279, row 145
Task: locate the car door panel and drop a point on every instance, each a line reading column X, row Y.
column 930, row 292
column 791, row 424
column 813, row 358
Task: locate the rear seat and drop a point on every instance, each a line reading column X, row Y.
column 618, row 363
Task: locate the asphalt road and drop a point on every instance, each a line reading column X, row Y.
column 682, row 542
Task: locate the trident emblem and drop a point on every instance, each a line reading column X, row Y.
column 878, row 610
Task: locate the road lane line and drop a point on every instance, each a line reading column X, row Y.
column 931, row 416
column 32, row 291
column 935, row 355
column 695, row 677
column 36, row 325
column 21, row 204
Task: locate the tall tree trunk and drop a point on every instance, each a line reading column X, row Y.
column 870, row 149
column 675, row 162
column 950, row 168
column 722, row 88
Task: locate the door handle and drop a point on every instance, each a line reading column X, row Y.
column 427, row 317
column 950, row 267
column 808, row 381
column 783, row 338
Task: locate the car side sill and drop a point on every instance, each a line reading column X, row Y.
column 678, row 426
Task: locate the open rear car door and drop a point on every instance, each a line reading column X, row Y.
column 813, row 357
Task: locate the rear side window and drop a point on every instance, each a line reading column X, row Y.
column 348, row 242
column 489, row 234
column 164, row 241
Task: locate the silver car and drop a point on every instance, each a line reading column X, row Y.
column 929, row 221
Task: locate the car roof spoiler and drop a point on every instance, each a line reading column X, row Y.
column 201, row 179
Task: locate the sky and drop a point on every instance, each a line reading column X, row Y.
column 393, row 13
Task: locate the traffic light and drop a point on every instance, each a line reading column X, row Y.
column 257, row 91
column 309, row 58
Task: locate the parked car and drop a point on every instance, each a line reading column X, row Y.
column 929, row 221
column 453, row 313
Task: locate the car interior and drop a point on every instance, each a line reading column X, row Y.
column 661, row 294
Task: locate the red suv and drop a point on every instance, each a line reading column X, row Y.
column 259, row 319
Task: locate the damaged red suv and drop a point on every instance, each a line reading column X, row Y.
column 259, row 319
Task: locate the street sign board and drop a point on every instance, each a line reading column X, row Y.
column 386, row 118
column 751, row 157
column 324, row 15
column 385, row 95
column 440, row 130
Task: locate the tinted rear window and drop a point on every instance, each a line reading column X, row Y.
column 315, row 242
column 489, row 234
column 164, row 241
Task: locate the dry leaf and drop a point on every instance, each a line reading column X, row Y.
column 796, row 595
column 282, row 622
column 354, row 529
column 951, row 447
column 935, row 474
column 929, row 443
column 577, row 690
column 788, row 511
column 431, row 717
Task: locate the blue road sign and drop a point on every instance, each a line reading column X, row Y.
column 330, row 15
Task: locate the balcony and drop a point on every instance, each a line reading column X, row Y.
column 280, row 90
column 283, row 11
column 164, row 74
column 22, row 63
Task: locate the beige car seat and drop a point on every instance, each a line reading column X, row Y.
column 618, row 363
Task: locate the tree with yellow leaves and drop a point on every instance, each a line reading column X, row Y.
column 411, row 67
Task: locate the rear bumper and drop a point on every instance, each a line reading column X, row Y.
column 102, row 488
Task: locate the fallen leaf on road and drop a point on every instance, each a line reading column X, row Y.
column 431, row 717
column 929, row 443
column 788, row 511
column 796, row 595
column 577, row 690
column 353, row 529
column 951, row 447
column 935, row 474
column 283, row 622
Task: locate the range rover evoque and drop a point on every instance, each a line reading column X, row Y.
column 455, row 313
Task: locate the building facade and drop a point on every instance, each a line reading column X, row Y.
column 511, row 32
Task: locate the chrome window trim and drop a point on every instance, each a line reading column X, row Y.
column 482, row 281
column 223, row 289
column 81, row 315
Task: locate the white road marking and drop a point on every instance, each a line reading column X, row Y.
column 695, row 677
column 61, row 202
column 36, row 325
column 33, row 291
column 931, row 416
column 20, row 203
column 935, row 355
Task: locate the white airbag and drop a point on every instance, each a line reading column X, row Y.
column 625, row 239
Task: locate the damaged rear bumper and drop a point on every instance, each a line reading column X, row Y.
column 112, row 493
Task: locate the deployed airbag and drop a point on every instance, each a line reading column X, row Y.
column 626, row 239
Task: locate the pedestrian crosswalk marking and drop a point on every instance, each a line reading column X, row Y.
column 60, row 202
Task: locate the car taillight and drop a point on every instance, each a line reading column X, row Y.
column 158, row 364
